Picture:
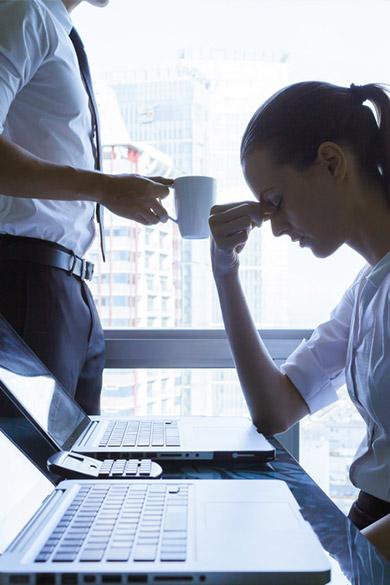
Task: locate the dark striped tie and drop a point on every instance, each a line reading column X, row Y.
column 86, row 76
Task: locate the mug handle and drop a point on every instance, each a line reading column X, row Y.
column 172, row 218
column 169, row 217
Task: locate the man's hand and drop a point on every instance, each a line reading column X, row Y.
column 230, row 226
column 133, row 196
column 136, row 197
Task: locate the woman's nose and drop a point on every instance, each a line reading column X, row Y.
column 279, row 227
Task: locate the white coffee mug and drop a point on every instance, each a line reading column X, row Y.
column 194, row 197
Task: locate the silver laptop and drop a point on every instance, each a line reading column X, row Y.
column 174, row 531
column 38, row 395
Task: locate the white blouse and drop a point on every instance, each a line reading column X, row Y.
column 353, row 347
column 44, row 108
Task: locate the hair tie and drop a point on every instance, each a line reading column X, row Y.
column 357, row 93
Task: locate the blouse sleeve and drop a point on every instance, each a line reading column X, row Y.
column 317, row 366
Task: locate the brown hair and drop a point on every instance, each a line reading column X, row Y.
column 297, row 119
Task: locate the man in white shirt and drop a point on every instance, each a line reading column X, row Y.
column 49, row 190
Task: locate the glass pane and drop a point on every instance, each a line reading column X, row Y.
column 176, row 86
column 172, row 392
column 328, row 442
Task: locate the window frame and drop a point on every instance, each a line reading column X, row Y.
column 195, row 348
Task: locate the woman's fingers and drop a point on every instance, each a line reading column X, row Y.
column 256, row 212
column 229, row 221
column 233, row 226
column 230, row 242
column 267, row 209
column 231, row 210
column 238, row 240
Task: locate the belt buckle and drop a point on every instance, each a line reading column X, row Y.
column 83, row 270
column 89, row 270
column 72, row 268
column 73, row 259
column 86, row 268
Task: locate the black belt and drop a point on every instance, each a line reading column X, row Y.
column 44, row 252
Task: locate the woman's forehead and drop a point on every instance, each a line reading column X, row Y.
column 260, row 171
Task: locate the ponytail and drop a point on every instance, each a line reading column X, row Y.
column 378, row 96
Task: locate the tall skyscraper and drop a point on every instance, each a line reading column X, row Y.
column 168, row 110
column 140, row 283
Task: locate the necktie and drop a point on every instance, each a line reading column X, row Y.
column 86, row 76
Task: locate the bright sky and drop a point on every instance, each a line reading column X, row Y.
column 334, row 40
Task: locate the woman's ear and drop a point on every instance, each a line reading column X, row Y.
column 332, row 156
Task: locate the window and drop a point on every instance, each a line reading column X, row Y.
column 120, row 301
column 119, row 323
column 151, row 306
column 187, row 94
column 120, row 278
column 150, row 260
column 119, row 231
column 121, row 255
column 150, row 281
column 174, row 392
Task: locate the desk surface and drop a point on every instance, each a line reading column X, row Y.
column 353, row 559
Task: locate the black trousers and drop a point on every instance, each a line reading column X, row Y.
column 367, row 509
column 55, row 314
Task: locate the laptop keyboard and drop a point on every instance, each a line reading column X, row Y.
column 141, row 434
column 121, row 468
column 142, row 523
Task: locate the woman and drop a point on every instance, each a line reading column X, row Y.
column 317, row 159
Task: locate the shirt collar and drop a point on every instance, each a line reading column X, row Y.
column 57, row 8
column 379, row 271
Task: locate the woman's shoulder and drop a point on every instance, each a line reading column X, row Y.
column 356, row 285
column 361, row 275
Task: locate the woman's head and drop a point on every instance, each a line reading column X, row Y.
column 308, row 137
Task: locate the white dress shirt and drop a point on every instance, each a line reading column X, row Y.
column 354, row 347
column 44, row 108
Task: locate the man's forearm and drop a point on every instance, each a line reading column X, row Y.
column 24, row 175
column 128, row 195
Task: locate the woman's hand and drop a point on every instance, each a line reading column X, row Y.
column 230, row 226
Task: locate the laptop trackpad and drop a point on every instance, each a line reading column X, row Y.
column 252, row 526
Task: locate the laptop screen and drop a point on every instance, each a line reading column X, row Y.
column 22, row 489
column 31, row 386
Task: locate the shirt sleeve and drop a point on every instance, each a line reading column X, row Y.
column 24, row 43
column 317, row 366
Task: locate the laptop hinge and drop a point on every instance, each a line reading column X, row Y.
column 41, row 517
column 84, row 438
